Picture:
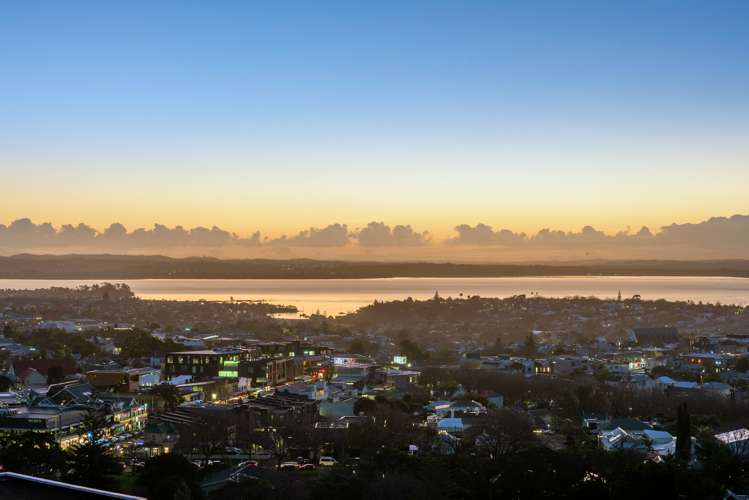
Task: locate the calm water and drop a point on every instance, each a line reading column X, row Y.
column 338, row 295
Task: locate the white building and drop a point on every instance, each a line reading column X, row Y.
column 659, row 442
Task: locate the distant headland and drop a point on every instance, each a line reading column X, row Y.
column 27, row 266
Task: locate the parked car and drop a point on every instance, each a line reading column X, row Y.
column 289, row 466
column 247, row 463
column 328, row 461
column 307, row 466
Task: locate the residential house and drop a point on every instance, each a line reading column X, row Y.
column 646, row 441
column 736, row 440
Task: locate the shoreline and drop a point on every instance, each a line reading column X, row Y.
column 123, row 267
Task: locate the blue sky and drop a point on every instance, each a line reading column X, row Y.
column 518, row 114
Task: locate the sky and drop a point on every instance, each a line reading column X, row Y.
column 284, row 116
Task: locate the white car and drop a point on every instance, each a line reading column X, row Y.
column 328, row 461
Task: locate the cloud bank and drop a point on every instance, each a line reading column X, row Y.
column 717, row 237
column 25, row 234
column 334, row 235
column 379, row 234
column 716, row 232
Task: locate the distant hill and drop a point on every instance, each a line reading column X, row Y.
column 26, row 266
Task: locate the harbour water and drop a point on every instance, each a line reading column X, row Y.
column 335, row 296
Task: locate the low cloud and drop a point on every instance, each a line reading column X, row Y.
column 718, row 233
column 732, row 231
column 334, row 235
column 718, row 237
column 379, row 234
column 24, row 234
column 485, row 235
column 482, row 234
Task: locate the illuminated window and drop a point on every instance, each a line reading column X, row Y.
column 400, row 360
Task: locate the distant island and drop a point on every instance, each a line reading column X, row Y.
column 120, row 267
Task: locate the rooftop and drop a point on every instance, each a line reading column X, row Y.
column 733, row 436
column 211, row 352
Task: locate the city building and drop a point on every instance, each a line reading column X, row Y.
column 205, row 364
column 125, row 379
column 270, row 372
column 62, row 412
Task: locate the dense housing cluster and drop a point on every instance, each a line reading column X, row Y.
column 470, row 397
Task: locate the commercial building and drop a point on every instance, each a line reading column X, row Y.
column 205, row 364
column 63, row 411
column 125, row 379
column 270, row 372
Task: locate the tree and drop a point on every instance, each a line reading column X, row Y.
column 5, row 383
column 278, row 444
column 683, row 433
column 339, row 483
column 360, row 346
column 412, row 350
column 207, row 438
column 724, row 465
column 32, row 453
column 497, row 348
column 139, row 344
column 55, row 375
column 364, row 406
column 91, row 464
column 169, row 395
column 505, row 432
column 529, row 348
column 171, row 476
